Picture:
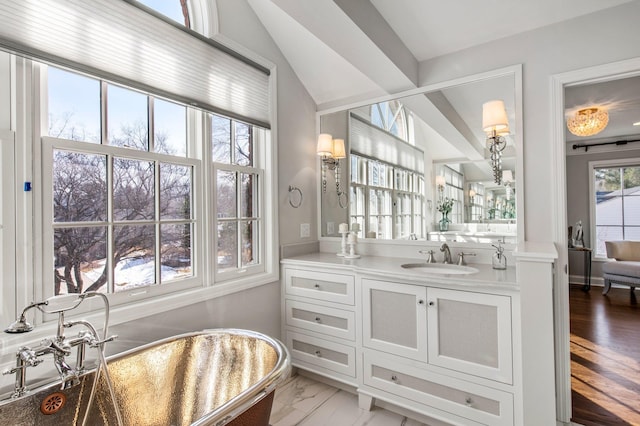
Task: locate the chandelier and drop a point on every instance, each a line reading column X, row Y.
column 588, row 122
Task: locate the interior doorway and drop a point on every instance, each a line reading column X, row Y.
column 563, row 338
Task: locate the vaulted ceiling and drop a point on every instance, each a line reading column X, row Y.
column 346, row 51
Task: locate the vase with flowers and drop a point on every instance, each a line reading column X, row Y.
column 444, row 206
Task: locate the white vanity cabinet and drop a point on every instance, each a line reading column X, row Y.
column 441, row 348
column 319, row 321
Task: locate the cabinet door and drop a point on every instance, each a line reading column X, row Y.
column 394, row 318
column 470, row 332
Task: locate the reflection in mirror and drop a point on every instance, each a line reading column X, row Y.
column 421, row 166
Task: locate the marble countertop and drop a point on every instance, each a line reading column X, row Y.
column 390, row 267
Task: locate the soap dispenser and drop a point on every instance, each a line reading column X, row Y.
column 499, row 260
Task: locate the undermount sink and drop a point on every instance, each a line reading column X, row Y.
column 440, row 268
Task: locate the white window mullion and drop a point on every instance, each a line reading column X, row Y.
column 158, row 223
column 110, row 232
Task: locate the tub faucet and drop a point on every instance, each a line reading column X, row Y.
column 59, row 346
column 447, row 253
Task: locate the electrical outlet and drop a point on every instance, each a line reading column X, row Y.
column 305, row 230
column 331, row 228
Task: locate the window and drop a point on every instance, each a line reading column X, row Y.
column 391, row 117
column 453, row 190
column 238, row 179
column 476, row 202
column 615, row 202
column 386, row 200
column 173, row 9
column 121, row 191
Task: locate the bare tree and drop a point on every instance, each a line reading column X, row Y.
column 79, row 196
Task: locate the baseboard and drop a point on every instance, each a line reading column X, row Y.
column 595, row 282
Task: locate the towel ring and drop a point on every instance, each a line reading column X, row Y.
column 343, row 201
column 291, row 202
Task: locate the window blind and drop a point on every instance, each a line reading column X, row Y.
column 373, row 142
column 118, row 41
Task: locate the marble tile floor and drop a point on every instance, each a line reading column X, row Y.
column 306, row 402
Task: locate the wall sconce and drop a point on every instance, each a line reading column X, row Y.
column 496, row 126
column 472, row 194
column 440, row 184
column 330, row 151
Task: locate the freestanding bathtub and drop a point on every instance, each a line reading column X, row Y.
column 215, row 377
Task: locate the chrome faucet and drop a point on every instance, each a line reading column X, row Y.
column 59, row 346
column 447, row 253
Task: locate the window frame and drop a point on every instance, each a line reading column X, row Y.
column 205, row 278
column 593, row 166
column 258, row 168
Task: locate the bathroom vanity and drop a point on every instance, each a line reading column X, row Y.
column 439, row 344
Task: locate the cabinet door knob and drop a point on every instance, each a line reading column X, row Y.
column 431, row 303
column 420, row 302
column 317, row 319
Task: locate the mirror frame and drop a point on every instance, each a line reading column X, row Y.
column 514, row 71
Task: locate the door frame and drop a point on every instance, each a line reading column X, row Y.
column 595, row 74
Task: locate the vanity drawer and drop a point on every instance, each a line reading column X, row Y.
column 320, row 285
column 322, row 353
column 321, row 319
column 469, row 400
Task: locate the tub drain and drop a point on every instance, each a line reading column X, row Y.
column 53, row 403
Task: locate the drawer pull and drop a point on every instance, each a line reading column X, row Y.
column 316, row 286
column 468, row 402
column 318, row 354
column 394, row 378
column 318, row 319
column 420, row 302
column 431, row 303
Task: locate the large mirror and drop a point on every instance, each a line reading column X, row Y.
column 421, row 165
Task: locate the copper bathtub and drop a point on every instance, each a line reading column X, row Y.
column 215, row 377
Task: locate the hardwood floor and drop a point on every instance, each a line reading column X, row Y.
column 605, row 357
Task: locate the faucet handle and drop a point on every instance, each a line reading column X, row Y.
column 461, row 256
column 429, row 253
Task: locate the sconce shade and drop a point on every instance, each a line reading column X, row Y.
column 472, row 193
column 507, row 176
column 338, row 149
column 325, row 144
column 494, row 117
column 440, row 181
